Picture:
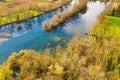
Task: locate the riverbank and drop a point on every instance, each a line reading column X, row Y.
column 107, row 24
column 60, row 18
column 114, row 25
column 32, row 9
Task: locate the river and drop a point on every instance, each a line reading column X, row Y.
column 32, row 36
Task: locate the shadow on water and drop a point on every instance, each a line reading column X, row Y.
column 31, row 35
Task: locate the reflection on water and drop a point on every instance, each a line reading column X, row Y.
column 32, row 36
column 2, row 40
column 83, row 23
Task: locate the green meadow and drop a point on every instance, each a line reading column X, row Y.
column 19, row 16
column 114, row 25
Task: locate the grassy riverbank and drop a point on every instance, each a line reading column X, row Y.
column 15, row 11
column 19, row 16
column 60, row 18
column 110, row 27
column 114, row 25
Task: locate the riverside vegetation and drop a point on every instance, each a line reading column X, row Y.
column 96, row 57
column 59, row 18
column 18, row 10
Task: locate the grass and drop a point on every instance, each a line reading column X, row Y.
column 114, row 25
column 113, row 21
column 42, row 3
column 18, row 16
column 109, row 27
